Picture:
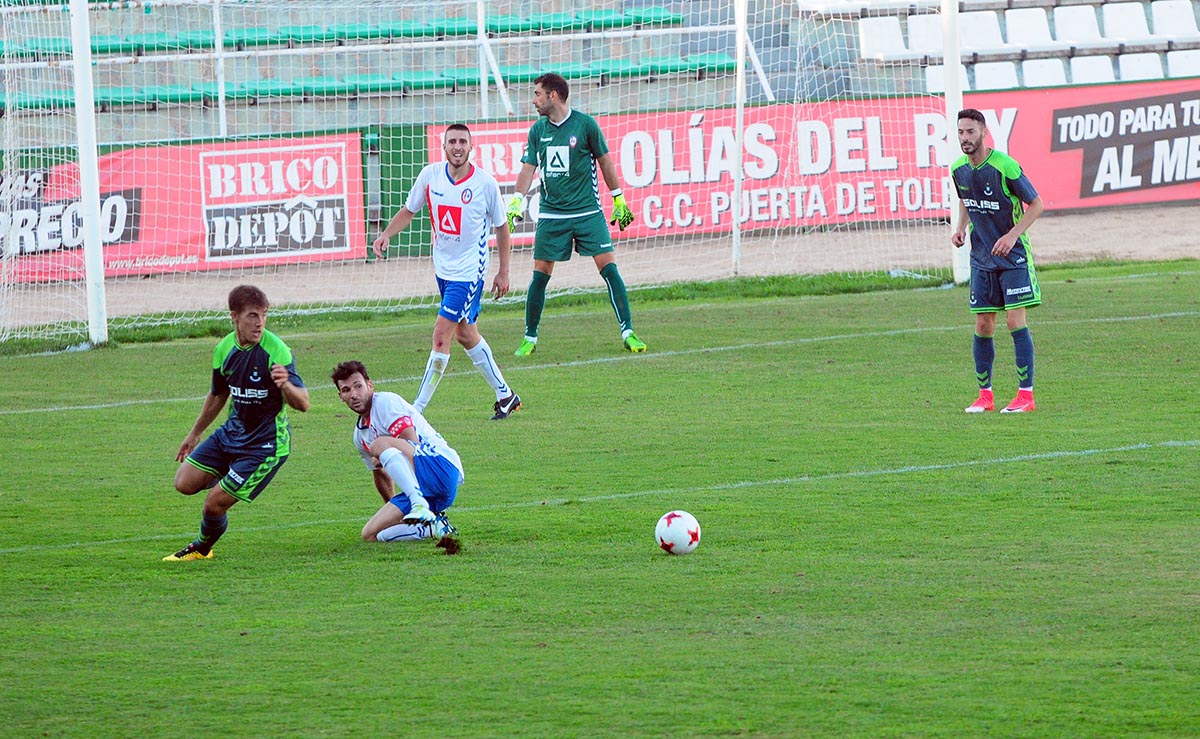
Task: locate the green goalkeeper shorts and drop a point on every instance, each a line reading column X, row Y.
column 557, row 237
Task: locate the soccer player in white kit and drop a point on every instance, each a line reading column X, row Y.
column 416, row 472
column 464, row 206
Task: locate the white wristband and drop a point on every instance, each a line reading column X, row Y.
column 521, row 198
column 616, row 193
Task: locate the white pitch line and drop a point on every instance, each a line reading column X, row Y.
column 720, row 487
column 628, row 357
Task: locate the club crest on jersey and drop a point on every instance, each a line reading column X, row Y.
column 254, row 376
column 467, row 195
column 987, row 189
column 449, row 219
column 573, row 142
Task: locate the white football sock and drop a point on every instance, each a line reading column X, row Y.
column 434, row 369
column 404, row 532
column 396, row 465
column 485, row 362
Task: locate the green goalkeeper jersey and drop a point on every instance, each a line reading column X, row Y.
column 565, row 154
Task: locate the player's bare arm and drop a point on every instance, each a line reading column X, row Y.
column 960, row 230
column 500, row 284
column 1005, row 243
column 383, row 484
column 296, row 397
column 208, row 413
column 399, row 222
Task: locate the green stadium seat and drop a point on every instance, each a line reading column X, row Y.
column 624, row 68
column 407, row 29
column 110, row 44
column 326, row 86
column 243, row 38
column 46, row 100
column 511, row 24
column 655, row 16
column 670, row 65
column 464, row 76
column 599, row 20
column 307, row 34
column 45, row 47
column 578, row 70
column 274, row 88
column 367, row 83
column 520, row 74
column 173, row 94
column 233, row 91
column 199, row 39
column 343, row 32
column 560, row 22
column 455, row 26
column 712, row 63
column 423, row 80
column 153, row 42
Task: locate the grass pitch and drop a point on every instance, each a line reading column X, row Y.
column 874, row 561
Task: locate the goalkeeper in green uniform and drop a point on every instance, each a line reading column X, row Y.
column 568, row 147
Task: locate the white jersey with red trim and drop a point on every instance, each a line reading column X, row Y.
column 390, row 415
column 463, row 214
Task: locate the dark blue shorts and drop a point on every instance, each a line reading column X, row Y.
column 1009, row 289
column 438, row 478
column 243, row 472
column 460, row 300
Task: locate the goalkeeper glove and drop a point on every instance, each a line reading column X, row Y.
column 621, row 214
column 516, row 211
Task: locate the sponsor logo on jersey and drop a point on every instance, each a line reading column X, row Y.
column 544, row 139
column 558, row 160
column 248, row 393
column 449, row 219
column 982, row 204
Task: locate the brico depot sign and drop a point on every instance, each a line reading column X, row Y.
column 193, row 207
column 824, row 164
column 281, row 199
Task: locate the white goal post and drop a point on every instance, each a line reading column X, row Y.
column 206, row 143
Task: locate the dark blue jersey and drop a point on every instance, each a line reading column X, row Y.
column 258, row 414
column 995, row 194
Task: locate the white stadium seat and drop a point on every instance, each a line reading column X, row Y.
column 1076, row 26
column 1183, row 63
column 1043, row 72
column 1126, row 22
column 925, row 34
column 1140, row 66
column 1029, row 28
column 935, row 78
column 1091, row 69
column 880, row 38
column 996, row 76
column 1175, row 18
column 979, row 31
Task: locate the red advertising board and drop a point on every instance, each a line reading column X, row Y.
column 822, row 164
column 195, row 207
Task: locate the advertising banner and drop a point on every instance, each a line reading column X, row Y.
column 191, row 207
column 823, row 164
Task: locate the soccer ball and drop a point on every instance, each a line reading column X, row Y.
column 677, row 532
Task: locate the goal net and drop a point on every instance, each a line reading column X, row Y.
column 268, row 141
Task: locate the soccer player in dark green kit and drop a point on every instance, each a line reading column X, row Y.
column 568, row 147
column 1001, row 204
column 255, row 368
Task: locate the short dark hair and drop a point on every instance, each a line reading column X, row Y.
column 458, row 127
column 552, row 82
column 247, row 296
column 974, row 115
column 345, row 369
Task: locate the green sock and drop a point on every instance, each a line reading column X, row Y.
column 534, row 302
column 618, row 296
